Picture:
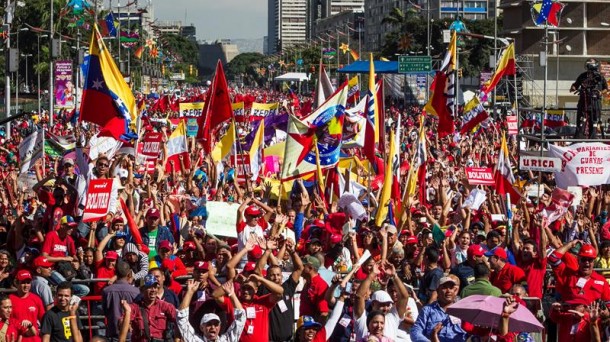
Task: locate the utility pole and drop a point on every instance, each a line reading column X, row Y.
column 51, row 85
column 7, row 77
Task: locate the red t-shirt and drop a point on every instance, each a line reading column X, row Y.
column 103, row 272
column 571, row 329
column 54, row 246
column 535, row 271
column 506, row 277
column 28, row 308
column 14, row 330
column 594, row 287
column 257, row 317
column 312, row 297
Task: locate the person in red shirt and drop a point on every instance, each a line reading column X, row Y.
column 504, row 275
column 9, row 328
column 531, row 258
column 312, row 297
column 28, row 308
column 105, row 266
column 257, row 307
column 573, row 320
column 582, row 281
column 59, row 245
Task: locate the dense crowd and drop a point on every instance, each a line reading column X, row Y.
column 301, row 267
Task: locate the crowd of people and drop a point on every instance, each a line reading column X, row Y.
column 300, row 268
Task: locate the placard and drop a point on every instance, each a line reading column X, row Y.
column 480, row 175
column 221, row 219
column 513, row 126
column 544, row 164
column 98, row 199
column 191, row 127
column 582, row 164
column 191, row 109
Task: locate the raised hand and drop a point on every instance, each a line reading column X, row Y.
column 250, row 243
column 228, row 287
column 509, row 306
column 126, row 307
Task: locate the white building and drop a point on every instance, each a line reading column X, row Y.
column 287, row 24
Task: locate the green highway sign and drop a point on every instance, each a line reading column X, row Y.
column 407, row 64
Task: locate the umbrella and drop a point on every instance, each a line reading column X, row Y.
column 486, row 311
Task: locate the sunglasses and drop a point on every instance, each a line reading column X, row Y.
column 102, row 165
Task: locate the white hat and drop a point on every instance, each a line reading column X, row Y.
column 207, row 318
column 382, row 297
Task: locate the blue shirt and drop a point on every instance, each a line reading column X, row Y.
column 429, row 316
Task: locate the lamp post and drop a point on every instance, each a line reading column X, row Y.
column 17, row 74
column 51, row 85
column 38, row 72
column 27, row 83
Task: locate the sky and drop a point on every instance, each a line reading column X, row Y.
column 217, row 19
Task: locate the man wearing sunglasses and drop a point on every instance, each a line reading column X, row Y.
column 578, row 279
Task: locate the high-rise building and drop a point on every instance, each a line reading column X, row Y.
column 374, row 13
column 468, row 10
column 287, row 24
column 322, row 9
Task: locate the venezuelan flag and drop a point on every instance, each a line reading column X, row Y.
column 107, row 99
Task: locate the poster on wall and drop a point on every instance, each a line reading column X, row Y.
column 64, row 85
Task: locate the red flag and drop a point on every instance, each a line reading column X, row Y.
column 439, row 104
column 217, row 108
column 133, row 228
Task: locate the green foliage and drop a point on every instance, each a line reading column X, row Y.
column 184, row 49
column 246, row 66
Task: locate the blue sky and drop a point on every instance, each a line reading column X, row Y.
column 217, row 19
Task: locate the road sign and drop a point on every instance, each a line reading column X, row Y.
column 408, row 64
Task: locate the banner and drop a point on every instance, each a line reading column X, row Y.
column 582, row 164
column 191, row 109
column 513, row 126
column 191, row 127
column 552, row 119
column 544, row 164
column 238, row 111
column 261, row 110
column 31, row 149
column 145, row 164
column 480, row 175
column 64, row 86
column 221, row 220
column 243, row 166
column 474, row 114
column 98, row 199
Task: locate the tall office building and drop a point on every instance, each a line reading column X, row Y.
column 318, row 10
column 287, row 24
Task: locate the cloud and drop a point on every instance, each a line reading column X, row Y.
column 217, row 19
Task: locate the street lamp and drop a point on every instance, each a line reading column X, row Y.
column 17, row 74
column 38, row 72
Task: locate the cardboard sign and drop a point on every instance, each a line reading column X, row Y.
column 242, row 168
column 513, row 126
column 261, row 110
column 151, row 145
column 238, row 111
column 480, row 175
column 544, row 164
column 191, row 108
column 221, row 220
column 191, row 127
column 98, row 199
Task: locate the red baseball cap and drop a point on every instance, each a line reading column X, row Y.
column 153, row 213
column 252, row 211
column 412, row 240
column 42, row 261
column 165, row 244
column 578, row 300
column 111, row 255
column 498, row 252
column 335, row 238
column 475, row 251
column 250, row 267
column 118, row 220
column 23, row 275
column 202, row 266
column 189, row 246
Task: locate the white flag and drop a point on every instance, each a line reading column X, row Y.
column 31, row 149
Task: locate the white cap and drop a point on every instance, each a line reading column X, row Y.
column 382, row 297
column 207, row 318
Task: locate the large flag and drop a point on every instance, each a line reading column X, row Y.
column 224, row 147
column 324, row 127
column 505, row 67
column 547, row 12
column 107, row 100
column 217, row 108
column 417, row 172
column 474, row 114
column 386, row 190
column 177, row 147
column 108, row 26
column 31, row 149
column 256, row 151
column 503, row 175
column 372, row 109
column 441, row 102
column 354, row 125
column 324, row 88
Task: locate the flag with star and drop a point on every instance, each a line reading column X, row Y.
column 547, row 12
column 324, row 128
column 107, row 100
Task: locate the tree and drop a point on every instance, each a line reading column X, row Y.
column 247, row 66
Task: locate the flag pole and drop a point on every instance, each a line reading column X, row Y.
column 43, row 154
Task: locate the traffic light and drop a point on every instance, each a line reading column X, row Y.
column 460, row 72
column 162, row 69
column 190, row 69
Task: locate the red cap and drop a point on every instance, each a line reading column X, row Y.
column 255, row 253
column 42, row 261
column 189, row 246
column 250, row 266
column 111, row 255
column 499, row 252
column 412, row 240
column 405, row 232
column 319, row 223
column 578, row 300
column 118, row 220
column 475, row 250
column 23, row 275
column 153, row 213
column 202, row 265
column 335, row 238
column 165, row 244
column 252, row 211
column 587, row 251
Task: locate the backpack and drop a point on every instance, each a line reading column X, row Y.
column 66, row 269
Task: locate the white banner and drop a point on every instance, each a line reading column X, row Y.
column 582, row 164
column 31, row 149
column 222, row 217
column 544, row 164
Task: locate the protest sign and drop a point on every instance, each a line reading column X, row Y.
column 544, row 164
column 582, row 164
column 191, row 108
column 151, row 145
column 480, row 175
column 262, row 110
column 513, row 127
column 238, row 111
column 191, row 127
column 98, row 199
column 221, row 220
column 31, row 149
